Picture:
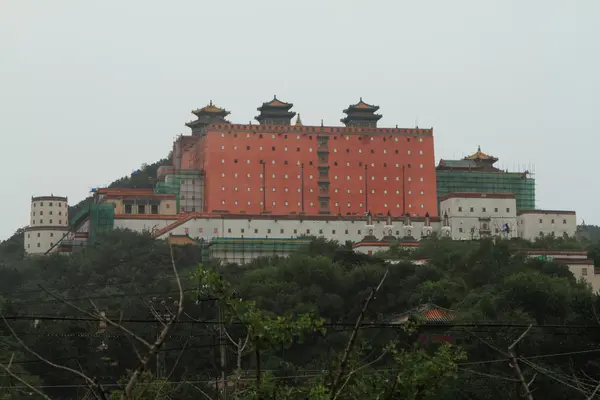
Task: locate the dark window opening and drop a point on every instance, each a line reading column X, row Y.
column 154, row 209
column 128, row 209
column 141, row 209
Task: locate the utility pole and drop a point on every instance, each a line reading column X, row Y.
column 515, row 365
column 302, row 183
column 222, row 348
column 366, row 188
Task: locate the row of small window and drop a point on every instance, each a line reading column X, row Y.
column 552, row 221
column 311, row 190
column 360, row 164
column 49, row 221
column 142, row 209
column 49, row 204
column 38, row 235
column 484, row 228
column 335, row 177
column 282, row 231
column 285, row 148
column 49, row 212
column 38, row 245
column 310, row 137
column 286, row 204
column 483, row 209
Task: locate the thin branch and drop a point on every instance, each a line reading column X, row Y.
column 515, row 365
column 350, row 345
column 163, row 335
column 87, row 379
column 24, row 382
column 358, row 369
column 172, row 369
column 200, row 390
column 97, row 316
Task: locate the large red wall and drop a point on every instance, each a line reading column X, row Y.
column 227, row 150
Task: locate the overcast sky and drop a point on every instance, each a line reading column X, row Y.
column 91, row 90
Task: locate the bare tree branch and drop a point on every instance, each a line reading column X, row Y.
column 98, row 315
column 172, row 369
column 87, row 379
column 152, row 349
column 200, row 390
column 350, row 345
column 24, row 382
column 515, row 365
column 358, row 369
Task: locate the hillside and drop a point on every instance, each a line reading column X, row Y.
column 145, row 177
column 296, row 316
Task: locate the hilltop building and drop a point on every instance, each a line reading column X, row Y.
column 241, row 191
column 49, row 223
column 477, row 174
column 276, row 167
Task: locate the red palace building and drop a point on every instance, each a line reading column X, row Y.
column 277, row 167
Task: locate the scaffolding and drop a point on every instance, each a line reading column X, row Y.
column 187, row 186
column 242, row 250
column 102, row 219
column 521, row 184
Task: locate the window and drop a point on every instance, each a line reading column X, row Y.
column 540, row 220
column 128, row 209
column 359, row 231
column 50, row 212
column 247, row 147
column 346, row 231
column 38, row 245
column 243, row 230
column 154, row 209
column 482, row 208
column 471, row 209
column 460, row 230
column 584, row 271
column 41, row 221
column 51, row 244
column 141, row 209
column 229, row 229
column 333, row 232
column 38, row 235
column 552, row 221
column 281, row 231
column 41, row 213
column 496, row 209
column 50, row 204
column 50, row 222
column 41, row 203
column 256, row 231
column 507, row 210
column 564, row 221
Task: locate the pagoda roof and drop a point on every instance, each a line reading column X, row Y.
column 210, row 109
column 479, row 155
column 362, row 106
column 275, row 103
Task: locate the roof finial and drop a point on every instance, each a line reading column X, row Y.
column 211, row 103
column 478, row 148
column 321, row 121
column 274, row 97
column 298, row 120
column 361, row 99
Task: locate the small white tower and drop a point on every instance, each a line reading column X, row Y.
column 49, row 222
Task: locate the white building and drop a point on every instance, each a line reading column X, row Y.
column 476, row 215
column 534, row 223
column 49, row 224
column 577, row 261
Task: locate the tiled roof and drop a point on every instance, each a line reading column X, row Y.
column 479, row 155
column 426, row 314
column 457, row 163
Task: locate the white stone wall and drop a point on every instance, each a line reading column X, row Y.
column 49, row 222
column 341, row 230
column 469, row 216
column 48, row 212
column 143, row 225
column 532, row 223
column 39, row 241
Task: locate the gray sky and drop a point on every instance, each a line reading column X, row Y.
column 91, row 90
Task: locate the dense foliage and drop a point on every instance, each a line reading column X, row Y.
column 287, row 322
